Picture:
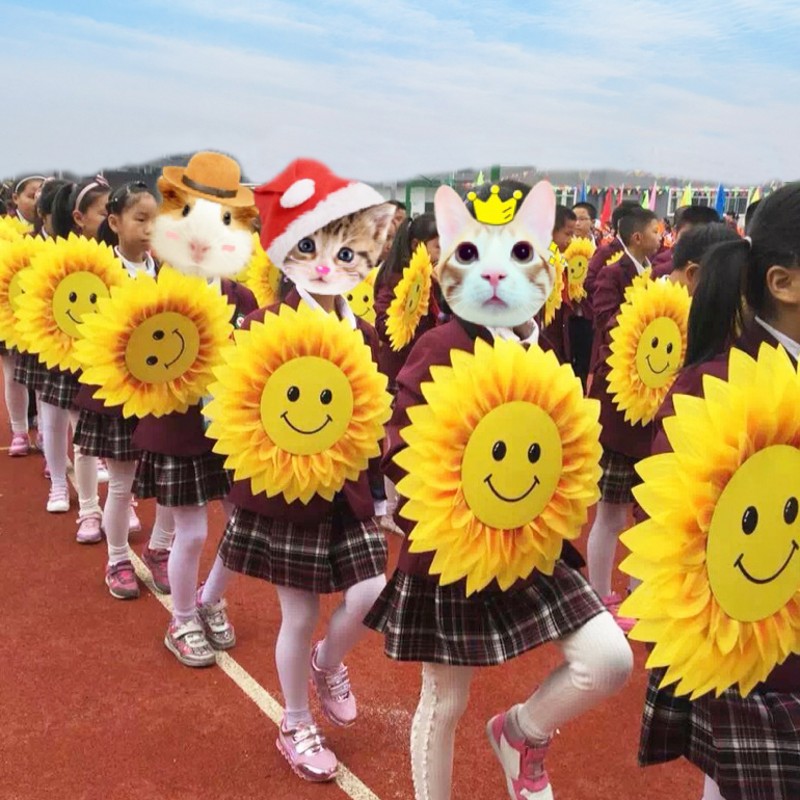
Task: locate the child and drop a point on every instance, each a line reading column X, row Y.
column 623, row 444
column 690, row 249
column 746, row 747
column 104, row 433
column 24, row 197
column 326, row 245
column 452, row 633
column 75, row 209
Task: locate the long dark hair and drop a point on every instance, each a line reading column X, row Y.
column 733, row 275
column 420, row 229
column 119, row 201
column 44, row 202
column 71, row 195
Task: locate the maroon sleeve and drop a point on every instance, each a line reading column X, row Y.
column 608, row 296
column 596, row 262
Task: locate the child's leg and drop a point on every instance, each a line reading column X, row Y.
column 299, row 615
column 85, row 478
column 442, row 702
column 217, row 582
column 115, row 513
column 609, row 523
column 598, row 663
column 191, row 530
column 711, row 790
column 54, row 422
column 163, row 529
column 346, row 626
column 16, row 396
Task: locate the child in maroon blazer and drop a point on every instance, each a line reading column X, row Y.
column 746, row 747
column 325, row 233
column 623, row 444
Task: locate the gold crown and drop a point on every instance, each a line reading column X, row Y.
column 495, row 211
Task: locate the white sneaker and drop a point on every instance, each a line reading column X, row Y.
column 58, row 501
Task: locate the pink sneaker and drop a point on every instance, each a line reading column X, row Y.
column 187, row 642
column 89, row 530
column 58, row 501
column 156, row 561
column 20, row 445
column 134, row 523
column 304, row 748
column 218, row 628
column 121, row 580
column 612, row 602
column 333, row 691
column 523, row 764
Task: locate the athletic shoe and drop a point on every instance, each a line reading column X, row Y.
column 156, row 562
column 20, row 445
column 58, row 501
column 188, row 643
column 134, row 523
column 333, row 691
column 102, row 471
column 305, row 750
column 522, row 763
column 214, row 618
column 121, row 580
column 89, row 530
column 612, row 602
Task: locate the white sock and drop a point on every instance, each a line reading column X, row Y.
column 442, row 702
column 711, row 790
column 217, row 582
column 116, row 514
column 85, row 477
column 54, row 422
column 299, row 615
column 16, row 396
column 609, row 523
column 598, row 662
column 191, row 530
column 346, row 626
column 163, row 529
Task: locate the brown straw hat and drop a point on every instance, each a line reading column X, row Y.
column 211, row 176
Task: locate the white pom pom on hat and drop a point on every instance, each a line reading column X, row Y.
column 298, row 193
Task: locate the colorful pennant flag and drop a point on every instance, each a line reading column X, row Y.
column 686, row 197
column 720, row 204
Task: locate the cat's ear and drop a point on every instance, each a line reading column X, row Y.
column 538, row 212
column 451, row 216
column 380, row 219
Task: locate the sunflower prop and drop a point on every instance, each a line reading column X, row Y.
column 577, row 256
column 502, row 463
column 261, row 276
column 299, row 406
column 612, row 259
column 152, row 347
column 411, row 299
column 639, row 280
column 556, row 298
column 14, row 258
column 65, row 282
column 13, row 228
column 648, row 346
column 719, row 558
column 362, row 299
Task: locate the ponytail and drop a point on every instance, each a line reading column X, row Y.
column 420, row 229
column 106, row 235
column 61, row 210
column 717, row 310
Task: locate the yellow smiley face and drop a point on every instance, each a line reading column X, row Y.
column 162, row 348
column 577, row 268
column 361, row 300
column 414, row 296
column 754, row 537
column 306, row 405
column 511, row 465
column 658, row 352
column 77, row 294
column 14, row 291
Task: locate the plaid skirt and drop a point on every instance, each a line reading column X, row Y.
column 423, row 621
column 60, row 388
column 106, row 436
column 619, row 477
column 30, row 371
column 749, row 746
column 331, row 556
column 181, row 480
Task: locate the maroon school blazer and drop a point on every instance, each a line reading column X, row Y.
column 598, row 261
column 360, row 495
column 183, row 435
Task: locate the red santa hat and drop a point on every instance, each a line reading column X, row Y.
column 305, row 197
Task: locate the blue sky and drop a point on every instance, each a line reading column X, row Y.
column 384, row 89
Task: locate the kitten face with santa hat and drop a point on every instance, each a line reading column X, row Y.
column 324, row 232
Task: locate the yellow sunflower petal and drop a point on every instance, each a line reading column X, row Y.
column 261, row 276
column 411, row 299
column 577, row 256
column 15, row 256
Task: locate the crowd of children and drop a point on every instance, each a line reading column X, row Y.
column 745, row 292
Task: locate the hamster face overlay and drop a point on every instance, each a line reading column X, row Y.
column 162, row 348
column 658, row 352
column 306, row 405
column 754, row 536
column 508, row 476
column 76, row 294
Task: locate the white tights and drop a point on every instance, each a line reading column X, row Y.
column 16, row 396
column 711, row 790
column 299, row 616
column 598, row 661
column 610, row 522
column 54, row 422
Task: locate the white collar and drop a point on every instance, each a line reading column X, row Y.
column 216, row 283
column 340, row 304
column 21, row 218
column 508, row 335
column 790, row 344
column 134, row 268
column 640, row 268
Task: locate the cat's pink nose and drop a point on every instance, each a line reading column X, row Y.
column 322, row 269
column 494, row 278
